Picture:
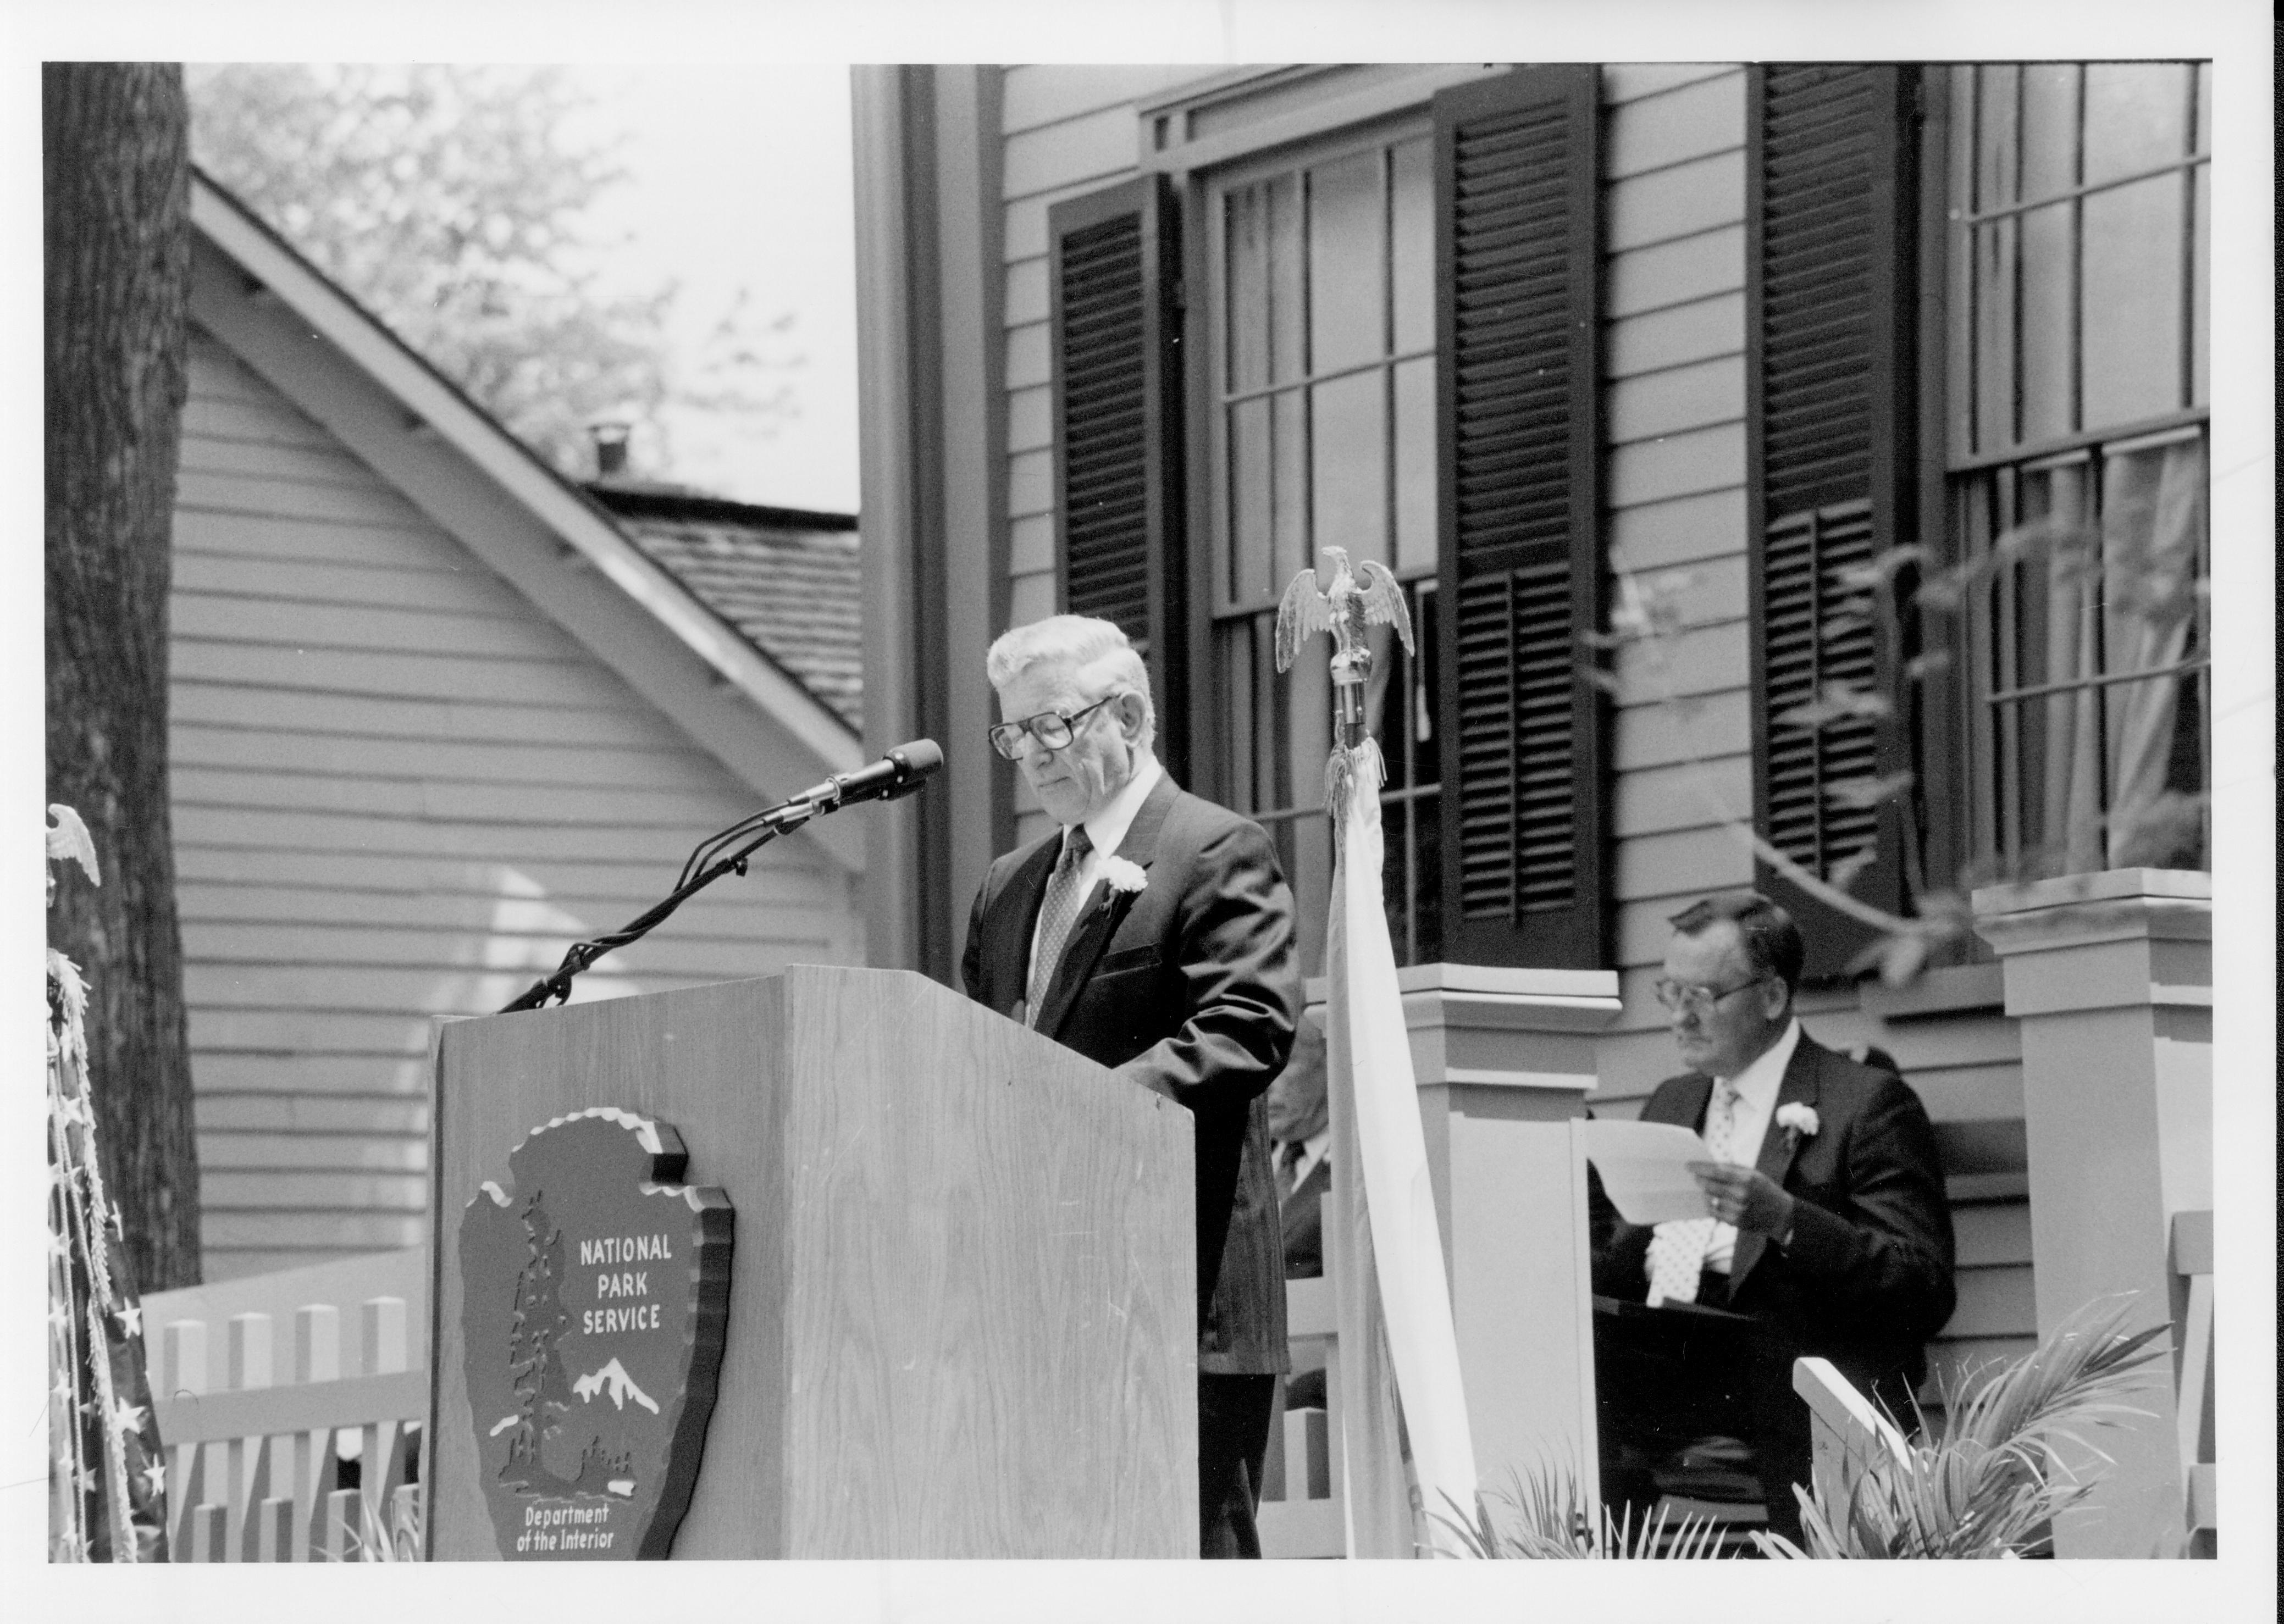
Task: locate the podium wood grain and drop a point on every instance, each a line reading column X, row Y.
column 962, row 1315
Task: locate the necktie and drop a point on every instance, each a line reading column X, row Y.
column 1676, row 1252
column 1057, row 910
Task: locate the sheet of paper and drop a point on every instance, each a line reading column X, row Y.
column 1644, row 1169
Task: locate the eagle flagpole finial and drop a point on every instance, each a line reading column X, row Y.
column 1349, row 603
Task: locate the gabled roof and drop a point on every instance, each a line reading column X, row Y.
column 786, row 578
column 542, row 532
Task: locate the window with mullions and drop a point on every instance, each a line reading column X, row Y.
column 1321, row 354
column 2079, row 257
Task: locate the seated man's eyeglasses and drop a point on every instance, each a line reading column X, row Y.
column 1697, row 1000
column 1051, row 728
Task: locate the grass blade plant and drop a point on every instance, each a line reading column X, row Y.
column 1543, row 1516
column 1995, row 1475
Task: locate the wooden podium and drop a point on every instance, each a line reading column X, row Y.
column 962, row 1313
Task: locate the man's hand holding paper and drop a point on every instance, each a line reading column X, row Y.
column 1646, row 1169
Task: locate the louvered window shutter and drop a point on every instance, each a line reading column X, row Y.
column 1524, row 802
column 1114, row 256
column 1830, row 302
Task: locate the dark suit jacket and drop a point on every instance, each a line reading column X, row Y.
column 1304, row 1225
column 1867, row 1278
column 1190, row 987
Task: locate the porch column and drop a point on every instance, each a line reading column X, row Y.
column 1504, row 1060
column 2111, row 978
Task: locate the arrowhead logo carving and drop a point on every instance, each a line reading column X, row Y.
column 596, row 1296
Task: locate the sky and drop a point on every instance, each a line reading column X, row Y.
column 742, row 177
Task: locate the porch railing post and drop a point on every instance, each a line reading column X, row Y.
column 2110, row 975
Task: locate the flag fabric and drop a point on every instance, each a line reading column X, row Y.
column 1399, row 1356
column 106, row 1472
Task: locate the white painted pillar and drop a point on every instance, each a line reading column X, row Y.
column 2110, row 976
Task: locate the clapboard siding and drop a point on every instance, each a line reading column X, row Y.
column 1673, row 343
column 1039, row 94
column 374, row 716
column 564, row 683
column 1671, row 401
column 1681, row 531
column 397, row 544
column 1066, row 131
column 1674, row 335
column 506, row 761
column 1668, row 129
column 289, row 580
column 239, row 945
column 299, row 885
column 1084, row 146
column 1654, row 799
column 399, row 792
column 209, row 617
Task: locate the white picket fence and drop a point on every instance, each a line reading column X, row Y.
column 265, row 1388
column 1302, row 1510
column 2192, row 1251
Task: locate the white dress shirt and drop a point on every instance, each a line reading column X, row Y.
column 1106, row 829
column 1756, row 1102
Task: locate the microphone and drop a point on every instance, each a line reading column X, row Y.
column 893, row 776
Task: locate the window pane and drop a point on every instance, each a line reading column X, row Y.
column 2050, row 94
column 1239, row 730
column 2199, row 275
column 1413, row 248
column 2137, row 116
column 1415, row 464
column 2204, row 106
column 1965, row 317
column 2049, row 328
column 1292, row 495
column 1249, row 538
column 1994, row 333
column 2133, row 291
column 1996, row 160
column 1348, row 255
column 1245, row 305
column 1348, row 467
column 1288, row 297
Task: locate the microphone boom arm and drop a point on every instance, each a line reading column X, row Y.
column 897, row 774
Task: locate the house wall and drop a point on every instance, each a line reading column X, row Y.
column 1066, row 131
column 399, row 792
column 1674, row 471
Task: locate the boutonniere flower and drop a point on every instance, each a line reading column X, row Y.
column 1121, row 874
column 1799, row 1120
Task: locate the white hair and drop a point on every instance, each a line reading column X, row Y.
column 1101, row 659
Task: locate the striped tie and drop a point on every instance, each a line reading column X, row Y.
column 1057, row 910
column 1676, row 1252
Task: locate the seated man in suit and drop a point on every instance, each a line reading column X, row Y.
column 1829, row 1232
column 1153, row 932
column 1300, row 1148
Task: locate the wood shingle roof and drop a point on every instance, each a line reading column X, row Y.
column 786, row 579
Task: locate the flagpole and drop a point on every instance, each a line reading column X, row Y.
column 1400, row 1355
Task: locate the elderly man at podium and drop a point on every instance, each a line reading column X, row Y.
column 1153, row 932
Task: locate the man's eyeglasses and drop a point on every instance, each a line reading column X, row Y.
column 1051, row 728
column 1679, row 995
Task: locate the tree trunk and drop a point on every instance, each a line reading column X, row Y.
column 117, row 193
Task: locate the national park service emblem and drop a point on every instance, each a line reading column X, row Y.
column 596, row 1294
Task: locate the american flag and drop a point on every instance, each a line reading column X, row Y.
column 106, row 1472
